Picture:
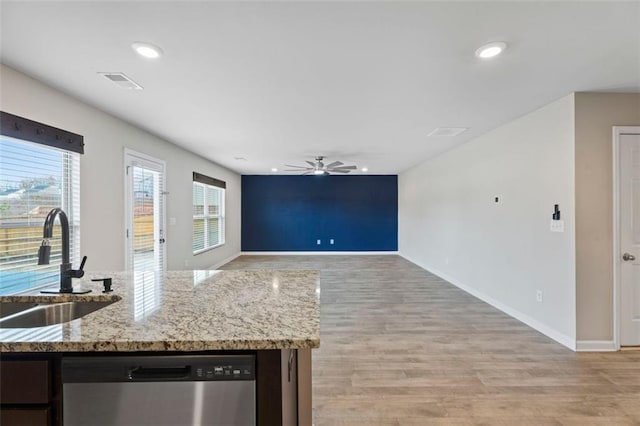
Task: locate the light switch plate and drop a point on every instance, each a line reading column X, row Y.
column 557, row 226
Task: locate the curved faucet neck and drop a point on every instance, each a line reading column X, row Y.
column 47, row 230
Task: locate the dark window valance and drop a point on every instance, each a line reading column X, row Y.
column 197, row 177
column 32, row 131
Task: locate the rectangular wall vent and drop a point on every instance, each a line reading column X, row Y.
column 121, row 80
column 448, row 131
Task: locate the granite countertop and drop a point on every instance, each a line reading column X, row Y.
column 182, row 311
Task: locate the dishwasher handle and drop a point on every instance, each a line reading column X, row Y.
column 147, row 374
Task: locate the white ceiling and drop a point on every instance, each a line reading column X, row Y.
column 360, row 82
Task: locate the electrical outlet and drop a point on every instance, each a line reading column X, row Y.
column 539, row 296
column 331, row 241
column 318, row 242
column 497, row 199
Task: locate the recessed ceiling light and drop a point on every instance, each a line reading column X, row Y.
column 274, row 169
column 491, row 50
column 364, row 169
column 147, row 50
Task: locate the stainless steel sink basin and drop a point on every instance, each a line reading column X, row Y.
column 10, row 308
column 49, row 314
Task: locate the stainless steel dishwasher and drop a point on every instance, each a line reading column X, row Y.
column 159, row 390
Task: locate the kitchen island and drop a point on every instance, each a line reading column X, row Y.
column 273, row 314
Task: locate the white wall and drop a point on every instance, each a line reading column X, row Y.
column 449, row 225
column 102, row 178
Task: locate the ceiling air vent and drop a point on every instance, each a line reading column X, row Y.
column 448, row 131
column 121, row 80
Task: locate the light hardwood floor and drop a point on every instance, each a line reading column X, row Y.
column 401, row 346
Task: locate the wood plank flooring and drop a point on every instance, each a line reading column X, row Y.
column 401, row 346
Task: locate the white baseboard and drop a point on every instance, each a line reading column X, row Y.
column 596, row 346
column 559, row 337
column 315, row 253
column 225, row 261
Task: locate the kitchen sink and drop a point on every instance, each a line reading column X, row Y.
column 10, row 308
column 50, row 314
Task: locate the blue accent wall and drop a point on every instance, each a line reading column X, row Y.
column 289, row 213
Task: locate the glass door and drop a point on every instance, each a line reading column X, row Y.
column 145, row 213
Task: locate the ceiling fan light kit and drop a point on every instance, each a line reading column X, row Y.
column 320, row 169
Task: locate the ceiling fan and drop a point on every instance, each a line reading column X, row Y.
column 319, row 168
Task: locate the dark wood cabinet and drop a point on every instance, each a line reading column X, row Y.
column 25, row 416
column 26, row 395
column 25, row 382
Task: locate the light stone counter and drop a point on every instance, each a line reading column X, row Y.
column 182, row 311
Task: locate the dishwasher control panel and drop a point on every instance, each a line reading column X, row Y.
column 161, row 368
column 224, row 371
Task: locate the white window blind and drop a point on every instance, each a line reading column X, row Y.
column 208, row 212
column 35, row 178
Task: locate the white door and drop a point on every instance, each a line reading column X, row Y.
column 145, row 238
column 629, row 259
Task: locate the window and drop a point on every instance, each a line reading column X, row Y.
column 208, row 212
column 35, row 178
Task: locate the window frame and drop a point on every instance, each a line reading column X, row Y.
column 70, row 145
column 206, row 216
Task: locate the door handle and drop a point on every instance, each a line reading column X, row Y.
column 628, row 257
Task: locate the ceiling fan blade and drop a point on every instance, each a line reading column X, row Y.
column 295, row 170
column 345, row 168
column 311, row 163
column 307, row 173
column 299, row 167
column 334, row 164
column 339, row 171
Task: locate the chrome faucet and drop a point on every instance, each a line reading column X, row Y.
column 66, row 273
